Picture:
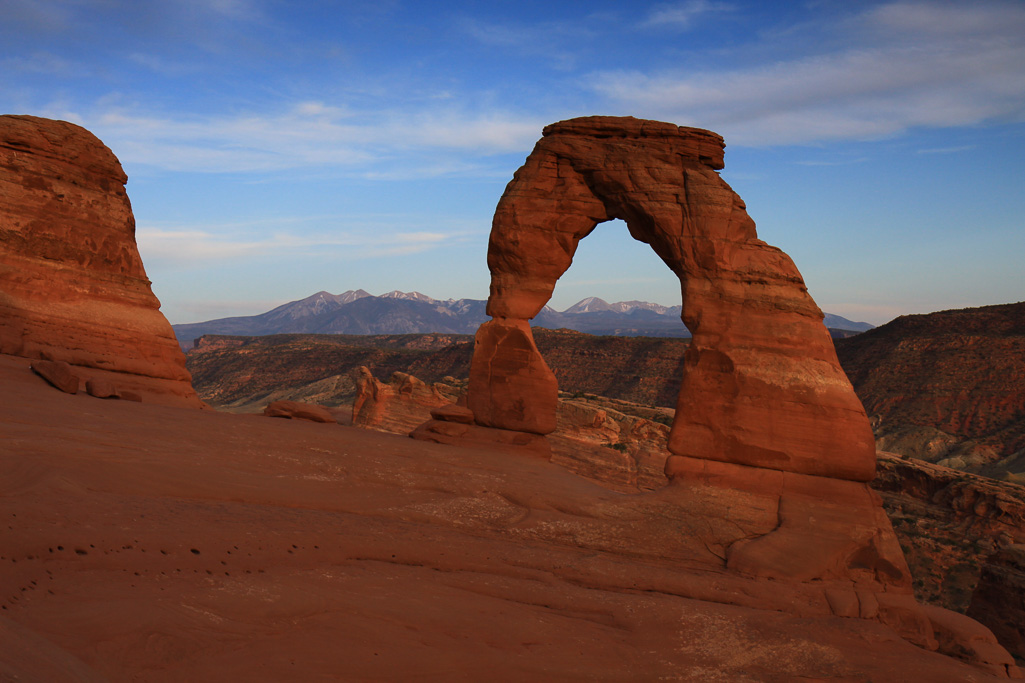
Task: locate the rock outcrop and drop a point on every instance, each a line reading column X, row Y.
column 946, row 387
column 614, row 443
column 761, row 383
column 72, row 283
column 400, row 405
column 769, row 440
column 240, row 374
column 142, row 542
column 962, row 535
column 606, row 441
column 999, row 599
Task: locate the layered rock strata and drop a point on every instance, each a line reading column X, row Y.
column 761, row 383
column 946, row 387
column 143, row 542
column 624, row 452
column 399, row 405
column 768, row 434
column 72, row 283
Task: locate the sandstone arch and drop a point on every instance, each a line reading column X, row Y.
column 762, row 385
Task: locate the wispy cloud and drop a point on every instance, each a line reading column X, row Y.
column 39, row 63
column 198, row 246
column 907, row 65
column 165, row 67
column 947, row 150
column 681, row 15
column 545, row 39
column 306, row 134
column 839, row 162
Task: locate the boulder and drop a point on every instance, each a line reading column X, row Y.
column 58, row 373
column 72, row 283
column 101, row 389
column 299, row 411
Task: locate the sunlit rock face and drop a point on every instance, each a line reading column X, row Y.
column 761, row 383
column 72, row 283
column 771, row 447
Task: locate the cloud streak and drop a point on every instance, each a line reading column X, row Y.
column 308, row 134
column 908, row 65
column 681, row 15
column 199, row 246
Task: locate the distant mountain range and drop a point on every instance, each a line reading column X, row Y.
column 359, row 312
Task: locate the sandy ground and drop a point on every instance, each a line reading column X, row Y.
column 147, row 543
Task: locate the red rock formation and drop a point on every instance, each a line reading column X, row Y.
column 761, row 383
column 949, row 522
column 769, row 440
column 57, row 373
column 146, row 543
column 299, row 411
column 999, row 599
column 398, row 406
column 511, row 386
column 623, row 452
column 946, row 387
column 242, row 373
column 72, row 284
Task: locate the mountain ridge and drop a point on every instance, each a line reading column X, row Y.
column 396, row 312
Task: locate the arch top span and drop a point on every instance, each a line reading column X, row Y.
column 703, row 145
column 761, row 385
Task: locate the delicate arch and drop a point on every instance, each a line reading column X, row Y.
column 761, row 385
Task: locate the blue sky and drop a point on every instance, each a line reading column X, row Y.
column 277, row 148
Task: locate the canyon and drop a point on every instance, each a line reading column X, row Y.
column 939, row 387
column 151, row 540
column 946, row 387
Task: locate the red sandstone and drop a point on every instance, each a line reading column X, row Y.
column 73, row 284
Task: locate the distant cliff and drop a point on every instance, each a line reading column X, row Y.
column 237, row 372
column 947, row 387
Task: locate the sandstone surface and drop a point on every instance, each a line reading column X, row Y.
column 400, row 405
column 594, row 437
column 147, row 543
column 948, row 522
column 295, row 410
column 766, row 423
column 761, row 382
column 72, row 283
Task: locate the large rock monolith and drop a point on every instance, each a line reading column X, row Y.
column 72, row 283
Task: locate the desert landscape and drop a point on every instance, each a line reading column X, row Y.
column 748, row 531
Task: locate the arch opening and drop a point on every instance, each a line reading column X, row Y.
column 610, row 264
